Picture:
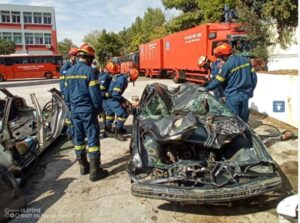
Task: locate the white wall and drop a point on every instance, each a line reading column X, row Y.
column 277, row 88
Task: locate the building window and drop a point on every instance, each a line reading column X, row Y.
column 38, row 38
column 6, row 36
column 47, row 38
column 5, row 16
column 29, row 38
column 47, row 18
column 27, row 17
column 16, row 17
column 37, row 18
column 17, row 37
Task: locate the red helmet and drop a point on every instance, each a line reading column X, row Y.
column 73, row 51
column 86, row 49
column 222, row 49
column 113, row 68
column 134, row 74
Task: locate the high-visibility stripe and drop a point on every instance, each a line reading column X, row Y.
column 76, row 77
column 81, row 147
column 252, row 69
column 117, row 89
column 239, row 67
column 121, row 119
column 219, row 78
column 93, row 149
column 93, row 83
column 66, row 84
column 106, row 94
column 68, row 122
column 108, row 117
column 62, row 77
column 102, row 87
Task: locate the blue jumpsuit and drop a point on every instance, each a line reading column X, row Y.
column 83, row 97
column 116, row 88
column 105, row 80
column 216, row 66
column 239, row 81
column 63, row 71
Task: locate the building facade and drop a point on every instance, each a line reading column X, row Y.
column 32, row 28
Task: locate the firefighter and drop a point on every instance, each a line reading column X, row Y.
column 83, row 97
column 238, row 78
column 215, row 67
column 116, row 101
column 105, row 80
column 72, row 60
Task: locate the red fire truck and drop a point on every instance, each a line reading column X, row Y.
column 177, row 55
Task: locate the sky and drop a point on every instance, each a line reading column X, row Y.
column 76, row 18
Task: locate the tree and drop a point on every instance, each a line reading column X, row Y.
column 108, row 45
column 64, row 47
column 7, row 47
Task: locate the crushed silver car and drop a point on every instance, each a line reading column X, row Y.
column 26, row 131
column 187, row 147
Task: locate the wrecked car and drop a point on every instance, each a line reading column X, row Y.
column 27, row 131
column 187, row 147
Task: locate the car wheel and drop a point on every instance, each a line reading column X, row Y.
column 48, row 75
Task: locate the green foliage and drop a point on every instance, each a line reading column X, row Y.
column 7, row 47
column 106, row 44
column 109, row 44
column 64, row 47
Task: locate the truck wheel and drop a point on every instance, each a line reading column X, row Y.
column 175, row 77
column 48, row 75
column 2, row 78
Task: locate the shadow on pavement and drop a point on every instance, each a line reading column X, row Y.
column 43, row 186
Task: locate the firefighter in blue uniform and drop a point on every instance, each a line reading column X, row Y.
column 215, row 67
column 83, row 97
column 72, row 55
column 105, row 80
column 116, row 101
column 69, row 63
column 238, row 79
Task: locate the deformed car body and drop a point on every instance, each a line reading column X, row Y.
column 187, row 147
column 27, row 131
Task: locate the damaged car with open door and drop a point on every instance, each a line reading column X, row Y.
column 187, row 147
column 27, row 131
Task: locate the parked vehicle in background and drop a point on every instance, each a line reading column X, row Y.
column 29, row 66
column 177, row 55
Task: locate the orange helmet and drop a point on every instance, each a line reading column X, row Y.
column 134, row 74
column 73, row 51
column 113, row 68
column 222, row 49
column 86, row 49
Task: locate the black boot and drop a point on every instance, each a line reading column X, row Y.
column 84, row 164
column 118, row 135
column 95, row 172
column 108, row 132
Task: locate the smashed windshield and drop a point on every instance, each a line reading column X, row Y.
column 186, row 99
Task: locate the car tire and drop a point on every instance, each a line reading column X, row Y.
column 48, row 75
